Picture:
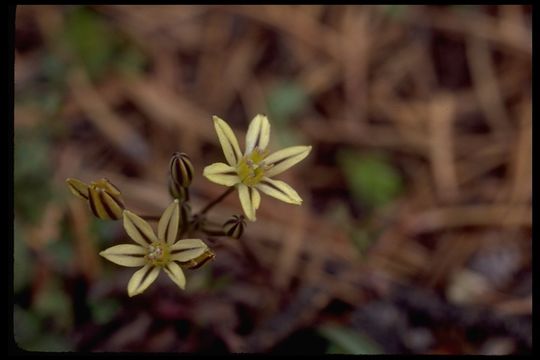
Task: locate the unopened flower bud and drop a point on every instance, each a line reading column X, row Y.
column 177, row 191
column 104, row 199
column 181, row 169
column 234, row 227
column 199, row 261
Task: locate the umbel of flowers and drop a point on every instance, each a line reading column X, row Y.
column 176, row 245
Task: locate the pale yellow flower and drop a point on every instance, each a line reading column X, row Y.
column 154, row 253
column 252, row 171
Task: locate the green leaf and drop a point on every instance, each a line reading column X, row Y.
column 361, row 239
column 287, row 137
column 131, row 60
column 22, row 266
column 62, row 252
column 89, row 36
column 103, row 310
column 31, row 175
column 348, row 341
column 26, row 326
column 104, row 231
column 286, row 100
column 220, row 282
column 51, row 342
column 395, row 11
column 54, row 303
column 371, row 178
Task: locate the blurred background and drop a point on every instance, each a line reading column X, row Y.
column 415, row 232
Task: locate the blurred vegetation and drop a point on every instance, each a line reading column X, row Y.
column 371, row 178
column 98, row 46
column 347, row 341
column 420, row 121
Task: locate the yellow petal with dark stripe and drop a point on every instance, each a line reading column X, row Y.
column 187, row 244
column 77, row 188
column 283, row 159
column 279, row 190
column 142, row 279
column 258, row 133
column 249, row 199
column 125, row 255
column 222, row 174
column 96, row 204
column 169, row 223
column 187, row 249
column 228, row 141
column 176, row 274
column 112, row 205
column 108, row 186
column 138, row 229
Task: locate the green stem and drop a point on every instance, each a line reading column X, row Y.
column 249, row 253
column 151, row 217
column 216, row 201
column 213, row 232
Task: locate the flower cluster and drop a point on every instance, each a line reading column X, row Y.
column 250, row 173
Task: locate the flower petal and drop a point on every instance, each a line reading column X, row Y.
column 138, row 229
column 142, row 279
column 258, row 133
column 228, row 141
column 95, row 200
column 250, row 200
column 285, row 158
column 113, row 205
column 77, row 188
column 108, row 186
column 255, row 198
column 187, row 249
column 222, row 174
column 176, row 274
column 188, row 244
column 169, row 223
column 280, row 190
column 125, row 255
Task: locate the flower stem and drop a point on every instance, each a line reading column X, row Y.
column 151, row 217
column 216, row 201
column 214, row 232
column 250, row 255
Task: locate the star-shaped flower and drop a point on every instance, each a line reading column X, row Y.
column 252, row 171
column 154, row 253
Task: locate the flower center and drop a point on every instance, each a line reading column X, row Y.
column 158, row 254
column 251, row 167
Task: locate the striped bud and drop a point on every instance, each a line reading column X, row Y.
column 199, row 261
column 234, row 227
column 104, row 199
column 177, row 191
column 181, row 169
column 77, row 188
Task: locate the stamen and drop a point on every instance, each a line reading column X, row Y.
column 251, row 167
column 158, row 254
